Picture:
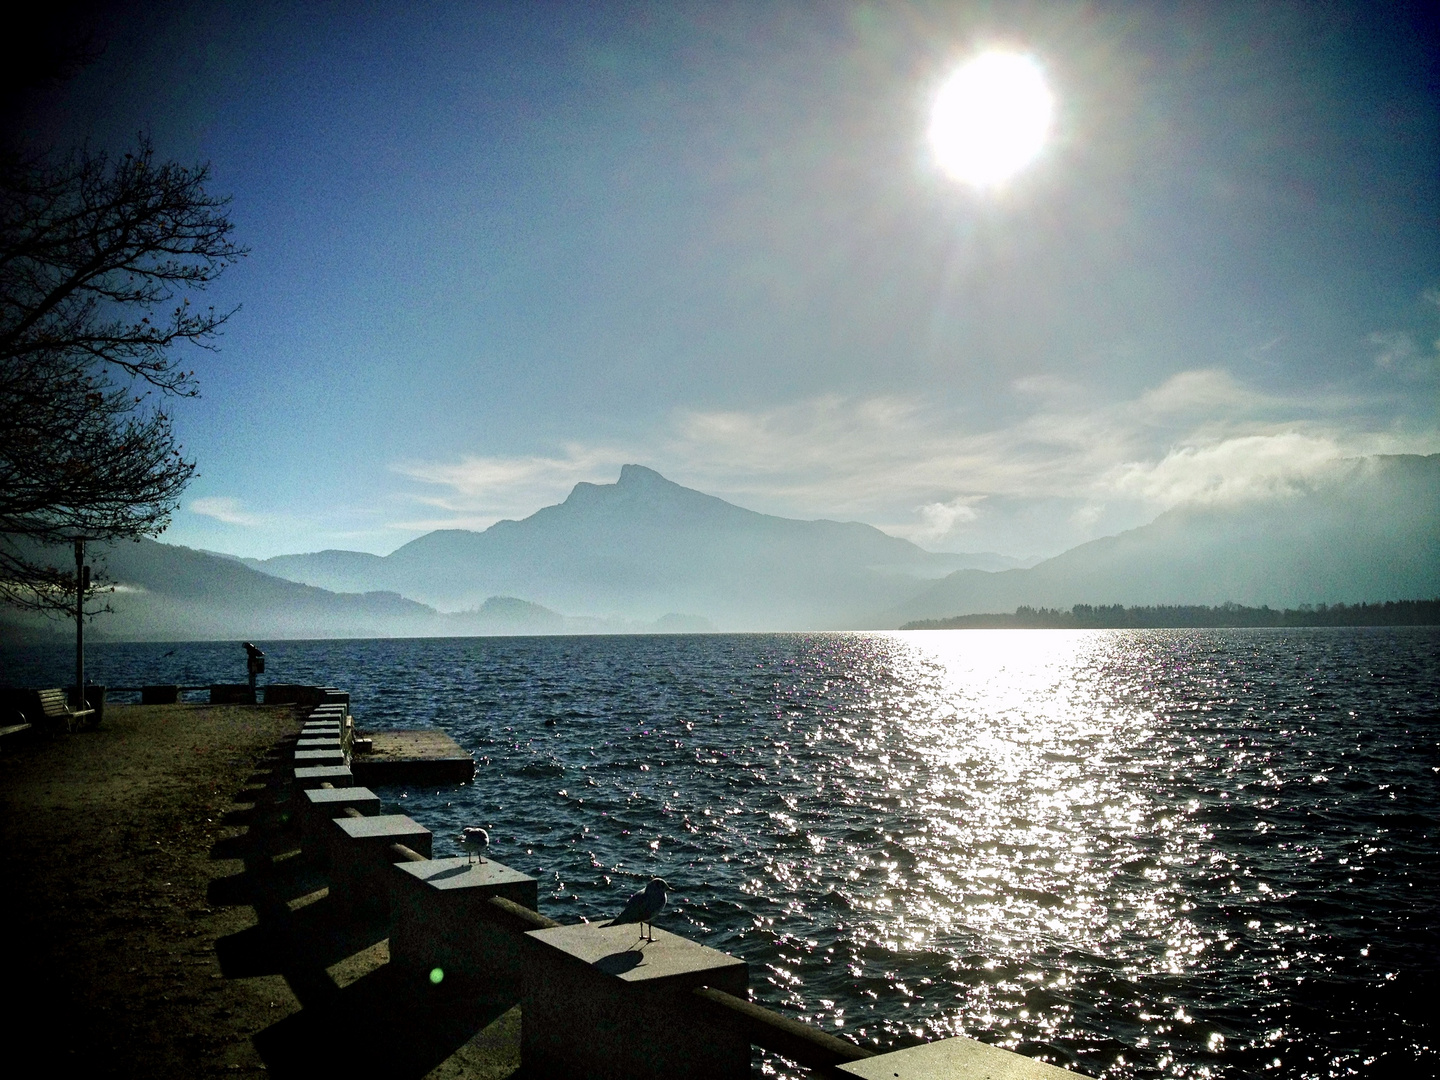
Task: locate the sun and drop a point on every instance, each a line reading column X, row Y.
column 991, row 118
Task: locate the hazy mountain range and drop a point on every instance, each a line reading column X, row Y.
column 645, row 554
column 1368, row 531
column 643, row 547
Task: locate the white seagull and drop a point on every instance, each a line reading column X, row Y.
column 475, row 840
column 643, row 907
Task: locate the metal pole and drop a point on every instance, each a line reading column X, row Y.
column 80, row 623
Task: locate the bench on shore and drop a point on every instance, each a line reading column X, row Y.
column 13, row 729
column 52, row 707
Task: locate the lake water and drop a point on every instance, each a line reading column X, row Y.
column 1137, row 853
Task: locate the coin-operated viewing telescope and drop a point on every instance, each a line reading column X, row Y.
column 254, row 663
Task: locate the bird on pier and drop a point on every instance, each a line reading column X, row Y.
column 643, row 907
column 475, row 840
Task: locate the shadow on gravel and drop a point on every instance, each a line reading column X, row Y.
column 376, row 1020
column 387, row 1023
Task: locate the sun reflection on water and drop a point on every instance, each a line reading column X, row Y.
column 1135, row 853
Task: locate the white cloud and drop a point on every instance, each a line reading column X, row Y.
column 939, row 518
column 476, row 491
column 1396, row 352
column 1059, row 470
column 1202, row 392
column 227, row 510
column 1395, row 349
column 1229, row 470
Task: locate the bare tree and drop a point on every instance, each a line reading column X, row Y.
column 96, row 255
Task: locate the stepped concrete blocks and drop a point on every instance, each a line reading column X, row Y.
column 953, row 1059
column 312, row 776
column 361, row 862
column 334, row 756
column 440, row 917
column 319, row 806
column 597, row 1001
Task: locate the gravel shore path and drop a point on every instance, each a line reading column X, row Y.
column 159, row 920
column 114, row 847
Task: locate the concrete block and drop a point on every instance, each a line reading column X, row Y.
column 320, row 757
column 312, row 776
column 597, row 1001
column 954, row 1059
column 440, row 916
column 318, row 806
column 360, row 859
column 232, row 694
column 317, row 742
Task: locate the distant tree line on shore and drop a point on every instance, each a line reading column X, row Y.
column 1117, row 616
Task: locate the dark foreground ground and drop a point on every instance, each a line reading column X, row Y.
column 158, row 922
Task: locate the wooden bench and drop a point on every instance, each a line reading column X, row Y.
column 13, row 729
column 54, row 708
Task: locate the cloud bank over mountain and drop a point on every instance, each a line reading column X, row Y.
column 1055, row 464
column 648, row 555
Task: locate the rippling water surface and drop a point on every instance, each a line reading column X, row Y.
column 1135, row 853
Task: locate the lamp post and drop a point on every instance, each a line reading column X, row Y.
column 82, row 585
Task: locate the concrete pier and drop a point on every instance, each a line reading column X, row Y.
column 425, row 756
column 954, row 1059
column 320, row 806
column 310, row 758
column 361, row 861
column 312, row 776
column 597, row 1001
column 441, row 917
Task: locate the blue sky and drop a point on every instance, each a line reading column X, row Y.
column 497, row 249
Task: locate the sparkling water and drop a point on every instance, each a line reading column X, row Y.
column 1136, row 853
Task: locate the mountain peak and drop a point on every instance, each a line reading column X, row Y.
column 639, row 475
column 636, row 484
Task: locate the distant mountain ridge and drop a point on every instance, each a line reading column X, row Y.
column 169, row 593
column 647, row 555
column 644, row 546
column 1367, row 531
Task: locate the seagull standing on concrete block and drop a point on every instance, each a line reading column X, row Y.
column 643, row 907
column 475, row 840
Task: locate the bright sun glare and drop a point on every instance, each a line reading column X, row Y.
column 991, row 118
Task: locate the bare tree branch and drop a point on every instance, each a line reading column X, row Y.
column 92, row 253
